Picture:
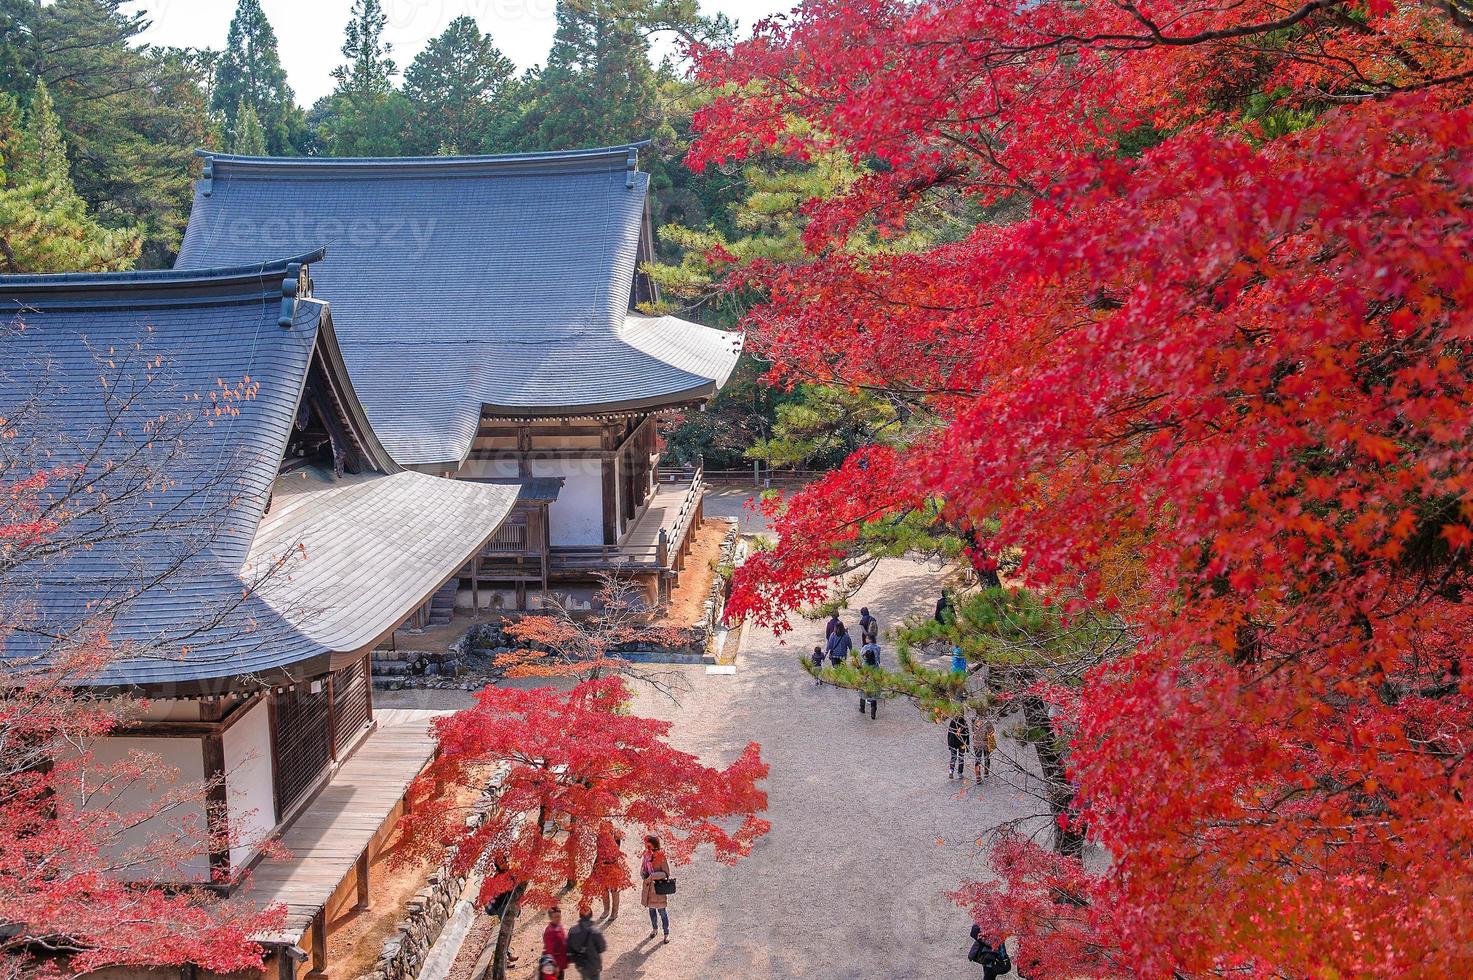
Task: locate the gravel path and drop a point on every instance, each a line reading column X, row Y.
column 868, row 834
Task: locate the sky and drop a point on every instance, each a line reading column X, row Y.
column 310, row 32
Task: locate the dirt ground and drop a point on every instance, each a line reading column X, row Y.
column 688, row 598
column 355, row 938
column 868, row 834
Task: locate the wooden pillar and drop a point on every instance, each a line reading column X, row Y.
column 368, row 684
column 216, row 818
column 610, row 493
column 475, row 585
column 662, row 549
column 332, row 719
column 319, row 941
column 362, row 883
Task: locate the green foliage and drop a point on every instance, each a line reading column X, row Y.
column 44, row 224
column 132, row 116
column 250, row 138
column 460, row 92
column 370, row 72
column 598, row 87
column 249, row 74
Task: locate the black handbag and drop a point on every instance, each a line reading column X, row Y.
column 664, row 886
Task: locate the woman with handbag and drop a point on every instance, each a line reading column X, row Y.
column 655, row 870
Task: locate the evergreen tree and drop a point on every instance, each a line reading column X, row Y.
column 44, row 224
column 365, row 115
column 598, row 87
column 249, row 73
column 456, row 88
column 370, row 70
column 44, row 149
column 250, row 138
column 132, row 115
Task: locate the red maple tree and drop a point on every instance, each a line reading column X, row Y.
column 1214, row 300
column 85, row 882
column 569, row 768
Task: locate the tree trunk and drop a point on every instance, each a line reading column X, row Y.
column 504, row 933
column 1068, row 841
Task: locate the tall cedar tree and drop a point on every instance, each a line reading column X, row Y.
column 598, row 87
column 457, row 88
column 365, row 115
column 250, row 138
column 570, row 769
column 1231, row 322
column 133, row 115
column 44, row 224
column 249, row 73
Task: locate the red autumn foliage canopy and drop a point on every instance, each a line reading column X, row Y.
column 1212, row 296
column 572, row 768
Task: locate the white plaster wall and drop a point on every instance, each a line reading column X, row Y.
column 576, row 517
column 493, row 469
column 250, row 792
column 182, row 754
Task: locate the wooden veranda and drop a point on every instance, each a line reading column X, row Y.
column 334, row 840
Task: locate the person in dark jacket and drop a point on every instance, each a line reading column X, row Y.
column 869, row 658
column 944, row 613
column 833, row 626
column 818, row 663
column 990, row 954
column 586, row 945
column 958, row 738
column 840, row 646
column 869, row 627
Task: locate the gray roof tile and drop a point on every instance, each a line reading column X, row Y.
column 464, row 282
column 122, row 367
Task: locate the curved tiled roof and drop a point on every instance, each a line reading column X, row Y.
column 500, row 282
column 169, row 398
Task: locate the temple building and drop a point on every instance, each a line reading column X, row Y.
column 257, row 541
column 490, row 327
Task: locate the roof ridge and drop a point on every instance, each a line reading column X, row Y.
column 278, row 278
column 621, row 156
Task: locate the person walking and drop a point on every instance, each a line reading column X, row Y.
column 869, row 627
column 841, row 644
column 990, row 954
column 944, row 613
column 956, row 742
column 869, row 658
column 613, row 870
column 832, row 626
column 555, row 941
column 818, row 665
column 586, row 945
column 653, row 868
column 984, row 743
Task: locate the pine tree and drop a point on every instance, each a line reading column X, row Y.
column 250, row 73
column 44, row 224
column 250, row 138
column 45, row 150
column 365, row 115
column 133, row 115
column 455, row 87
column 598, row 87
column 370, row 70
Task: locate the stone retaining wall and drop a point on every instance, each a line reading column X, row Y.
column 426, row 914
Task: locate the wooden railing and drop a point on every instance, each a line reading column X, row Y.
column 668, row 551
column 758, row 475
column 671, row 546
